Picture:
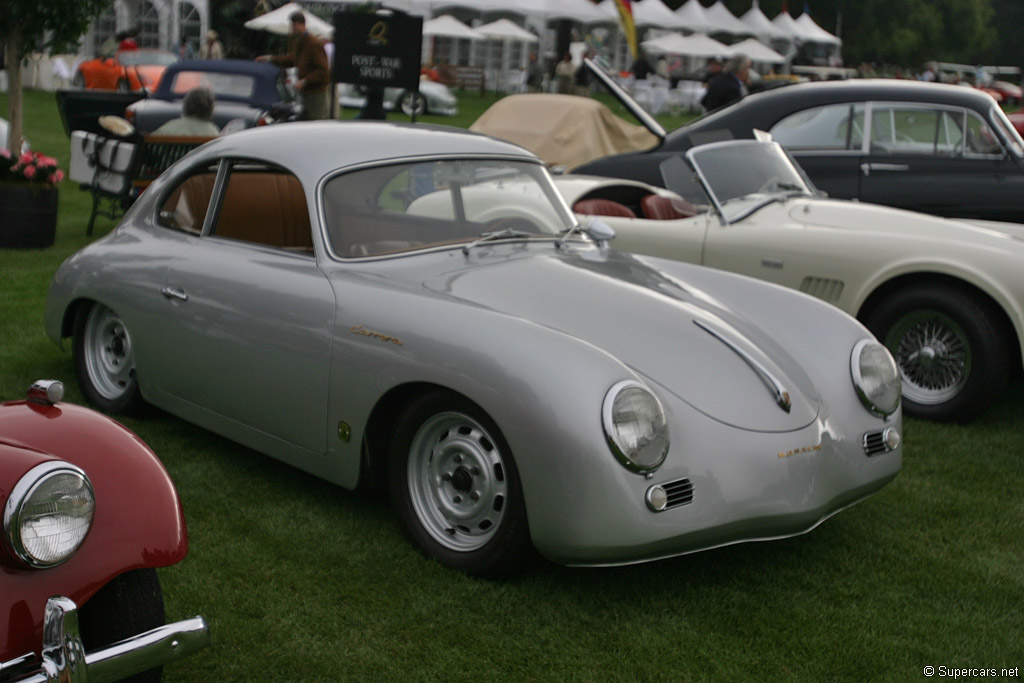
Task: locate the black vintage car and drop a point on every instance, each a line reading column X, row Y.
column 936, row 148
column 252, row 93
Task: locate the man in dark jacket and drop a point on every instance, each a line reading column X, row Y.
column 306, row 53
column 728, row 86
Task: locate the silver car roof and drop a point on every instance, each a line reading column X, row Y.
column 312, row 149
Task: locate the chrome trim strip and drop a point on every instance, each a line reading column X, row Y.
column 778, row 390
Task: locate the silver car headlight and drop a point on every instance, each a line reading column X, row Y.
column 875, row 377
column 635, row 426
column 48, row 514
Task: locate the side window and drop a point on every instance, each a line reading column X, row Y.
column 187, row 205
column 915, row 130
column 264, row 205
column 981, row 140
column 832, row 127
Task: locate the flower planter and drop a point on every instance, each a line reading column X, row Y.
column 28, row 216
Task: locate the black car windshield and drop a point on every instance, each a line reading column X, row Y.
column 423, row 204
column 230, row 85
column 742, row 176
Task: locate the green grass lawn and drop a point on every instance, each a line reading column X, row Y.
column 301, row 580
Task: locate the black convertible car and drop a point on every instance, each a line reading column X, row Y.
column 936, row 148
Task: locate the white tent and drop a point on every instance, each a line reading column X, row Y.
column 449, row 27
column 278, row 22
column 504, row 29
column 757, row 51
column 696, row 45
column 761, row 27
column 788, row 25
column 725, row 21
column 582, row 11
column 694, row 17
column 812, row 33
column 652, row 13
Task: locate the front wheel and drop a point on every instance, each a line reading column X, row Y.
column 949, row 347
column 412, row 103
column 105, row 361
column 131, row 604
column 456, row 487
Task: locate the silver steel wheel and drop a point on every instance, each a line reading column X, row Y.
column 933, row 354
column 457, row 481
column 107, row 353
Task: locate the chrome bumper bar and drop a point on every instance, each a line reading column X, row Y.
column 65, row 658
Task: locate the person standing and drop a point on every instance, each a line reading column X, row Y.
column 211, row 48
column 306, row 53
column 728, row 86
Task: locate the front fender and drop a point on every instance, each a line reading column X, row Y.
column 138, row 521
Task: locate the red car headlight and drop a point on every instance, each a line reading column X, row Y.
column 48, row 514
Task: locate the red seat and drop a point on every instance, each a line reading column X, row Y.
column 603, row 207
column 658, row 208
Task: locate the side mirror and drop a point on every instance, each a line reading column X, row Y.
column 599, row 231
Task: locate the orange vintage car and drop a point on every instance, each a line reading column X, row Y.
column 124, row 71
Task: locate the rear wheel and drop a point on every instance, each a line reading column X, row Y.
column 105, row 360
column 129, row 605
column 951, row 352
column 456, row 487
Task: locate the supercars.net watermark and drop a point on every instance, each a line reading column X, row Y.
column 969, row 672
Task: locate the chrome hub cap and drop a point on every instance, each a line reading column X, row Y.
column 933, row 355
column 109, row 360
column 457, row 481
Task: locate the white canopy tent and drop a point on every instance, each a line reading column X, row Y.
column 812, row 33
column 505, row 31
column 278, row 22
column 762, row 28
column 650, row 13
column 695, row 45
column 448, row 26
column 757, row 51
column 725, row 21
column 694, row 17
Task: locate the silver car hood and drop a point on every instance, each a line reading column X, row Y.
column 678, row 337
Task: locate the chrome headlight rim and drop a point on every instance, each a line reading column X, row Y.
column 659, row 425
column 22, row 495
column 869, row 398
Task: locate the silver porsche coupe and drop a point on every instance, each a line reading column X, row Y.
column 418, row 306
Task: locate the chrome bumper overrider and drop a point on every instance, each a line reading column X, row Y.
column 65, row 658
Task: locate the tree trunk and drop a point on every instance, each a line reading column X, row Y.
column 12, row 59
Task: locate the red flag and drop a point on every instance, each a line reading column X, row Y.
column 625, row 8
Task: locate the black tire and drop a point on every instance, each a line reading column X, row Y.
column 105, row 361
column 412, row 103
column 952, row 353
column 131, row 604
column 456, row 488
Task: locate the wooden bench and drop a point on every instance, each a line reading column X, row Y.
column 151, row 156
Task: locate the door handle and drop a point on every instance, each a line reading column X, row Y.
column 174, row 293
column 867, row 168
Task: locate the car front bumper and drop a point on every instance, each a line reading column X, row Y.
column 64, row 657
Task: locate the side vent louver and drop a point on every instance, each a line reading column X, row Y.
column 821, row 288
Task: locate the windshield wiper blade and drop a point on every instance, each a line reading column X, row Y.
column 495, row 235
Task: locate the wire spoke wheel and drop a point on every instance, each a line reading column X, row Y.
column 933, row 354
column 456, row 479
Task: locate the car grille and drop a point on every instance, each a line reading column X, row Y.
column 680, row 492
column 874, row 443
column 821, row 288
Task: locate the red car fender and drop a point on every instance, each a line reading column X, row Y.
column 138, row 520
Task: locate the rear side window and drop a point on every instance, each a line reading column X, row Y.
column 831, row 127
column 264, row 205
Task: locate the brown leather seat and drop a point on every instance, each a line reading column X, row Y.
column 603, row 207
column 658, row 208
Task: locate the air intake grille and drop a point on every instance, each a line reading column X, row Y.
column 680, row 492
column 826, row 290
column 874, row 443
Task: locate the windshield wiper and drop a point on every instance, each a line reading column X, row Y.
column 495, row 235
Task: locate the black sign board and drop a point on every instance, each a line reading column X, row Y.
column 377, row 49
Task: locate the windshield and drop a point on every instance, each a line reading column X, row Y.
column 237, row 86
column 418, row 205
column 1008, row 132
column 742, row 176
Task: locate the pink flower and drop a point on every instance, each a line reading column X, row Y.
column 29, row 172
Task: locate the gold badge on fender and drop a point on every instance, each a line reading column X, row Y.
column 798, row 451
column 362, row 331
